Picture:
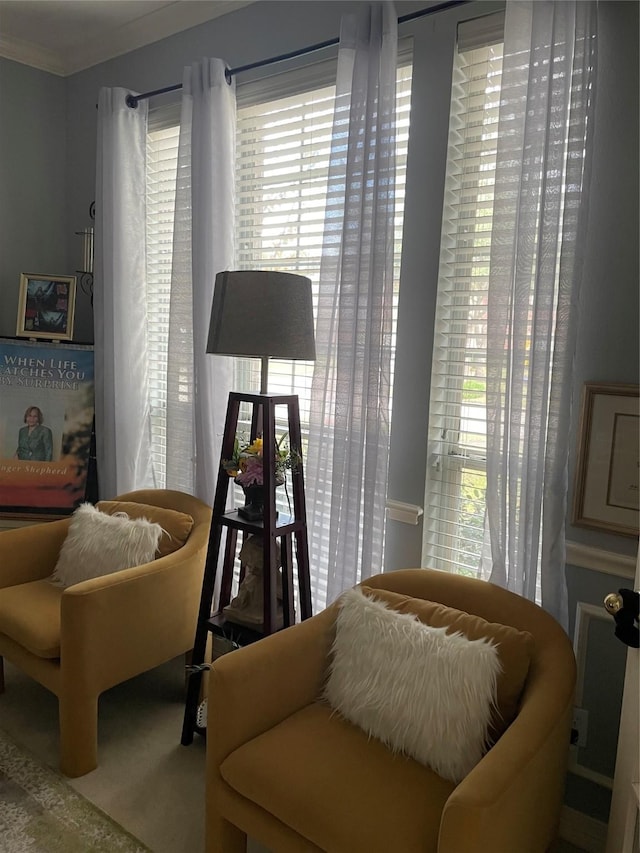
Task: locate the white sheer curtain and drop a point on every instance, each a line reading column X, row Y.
column 539, row 216
column 203, row 245
column 120, row 317
column 349, row 425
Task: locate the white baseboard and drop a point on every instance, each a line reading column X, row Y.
column 583, row 831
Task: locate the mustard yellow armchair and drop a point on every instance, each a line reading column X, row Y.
column 284, row 769
column 84, row 639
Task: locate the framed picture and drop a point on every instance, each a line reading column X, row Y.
column 607, row 486
column 46, row 427
column 45, row 306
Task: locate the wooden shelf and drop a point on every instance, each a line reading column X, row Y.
column 275, row 529
column 284, row 523
column 242, row 634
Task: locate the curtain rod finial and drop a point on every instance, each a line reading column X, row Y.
column 131, row 101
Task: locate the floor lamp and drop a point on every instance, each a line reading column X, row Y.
column 264, row 314
column 259, row 314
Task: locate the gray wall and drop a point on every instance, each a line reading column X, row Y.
column 607, row 348
column 33, row 181
column 47, row 165
column 607, row 351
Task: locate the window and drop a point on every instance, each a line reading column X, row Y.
column 162, row 163
column 456, row 474
column 282, row 156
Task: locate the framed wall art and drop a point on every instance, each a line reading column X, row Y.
column 45, row 306
column 46, row 426
column 607, row 484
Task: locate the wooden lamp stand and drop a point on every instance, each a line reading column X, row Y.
column 274, row 529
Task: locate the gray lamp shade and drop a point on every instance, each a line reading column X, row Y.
column 260, row 313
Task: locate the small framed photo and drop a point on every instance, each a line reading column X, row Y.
column 607, row 484
column 45, row 306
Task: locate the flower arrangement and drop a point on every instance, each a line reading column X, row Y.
column 246, row 463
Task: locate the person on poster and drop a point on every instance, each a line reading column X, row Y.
column 35, row 443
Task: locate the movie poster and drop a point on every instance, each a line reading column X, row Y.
column 46, row 423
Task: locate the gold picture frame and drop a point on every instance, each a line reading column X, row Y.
column 46, row 306
column 607, row 493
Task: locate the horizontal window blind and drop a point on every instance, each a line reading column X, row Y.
column 283, row 148
column 282, row 159
column 456, row 475
column 162, row 164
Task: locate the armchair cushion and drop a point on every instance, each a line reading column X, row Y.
column 515, row 648
column 419, row 690
column 30, row 616
column 291, row 768
column 176, row 526
column 98, row 544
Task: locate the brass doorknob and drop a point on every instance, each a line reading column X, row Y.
column 624, row 606
column 613, row 602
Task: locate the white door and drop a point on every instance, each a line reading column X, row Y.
column 625, row 802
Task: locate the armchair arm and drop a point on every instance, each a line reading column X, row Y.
column 256, row 687
column 492, row 806
column 119, row 625
column 30, row 553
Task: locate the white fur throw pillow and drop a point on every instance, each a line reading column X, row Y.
column 421, row 691
column 98, row 544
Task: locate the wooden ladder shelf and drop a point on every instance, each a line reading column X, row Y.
column 274, row 528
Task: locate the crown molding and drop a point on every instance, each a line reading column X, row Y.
column 150, row 28
column 32, row 54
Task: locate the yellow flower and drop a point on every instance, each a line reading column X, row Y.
column 256, row 448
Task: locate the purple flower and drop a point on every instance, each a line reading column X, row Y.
column 251, row 471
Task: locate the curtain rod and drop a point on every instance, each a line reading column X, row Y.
column 132, row 100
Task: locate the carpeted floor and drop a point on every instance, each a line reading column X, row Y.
column 146, row 781
column 40, row 813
